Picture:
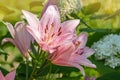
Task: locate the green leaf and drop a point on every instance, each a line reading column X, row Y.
column 13, row 18
column 3, row 29
column 69, row 78
column 4, row 53
column 33, row 49
column 96, row 30
column 100, row 16
column 4, row 71
column 21, row 71
column 35, row 3
column 91, row 8
column 110, row 76
column 18, row 58
column 57, row 70
column 36, row 6
column 116, row 13
column 97, row 34
column 101, row 68
column 6, row 10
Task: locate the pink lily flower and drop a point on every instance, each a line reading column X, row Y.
column 73, row 54
column 21, row 38
column 9, row 76
column 50, row 2
column 48, row 32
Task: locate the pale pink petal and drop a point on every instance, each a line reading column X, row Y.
column 19, row 39
column 62, row 62
column 1, row 76
column 82, row 60
column 32, row 19
column 51, row 50
column 29, row 39
column 22, row 37
column 11, row 75
column 49, row 2
column 20, row 33
column 11, row 29
column 62, row 39
column 8, row 40
column 44, row 47
column 63, row 52
column 19, row 24
column 88, row 52
column 71, row 64
column 19, row 46
column 50, row 18
column 34, row 33
column 87, row 63
column 78, row 66
column 70, row 26
column 82, row 39
column 34, row 27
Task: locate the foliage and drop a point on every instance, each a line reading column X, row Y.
column 96, row 20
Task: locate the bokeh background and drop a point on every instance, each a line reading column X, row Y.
column 98, row 18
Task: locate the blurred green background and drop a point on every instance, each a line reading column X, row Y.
column 98, row 18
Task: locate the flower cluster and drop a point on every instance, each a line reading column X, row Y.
column 21, row 38
column 64, row 47
column 108, row 49
column 59, row 39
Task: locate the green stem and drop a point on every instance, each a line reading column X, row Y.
column 85, row 23
column 81, row 20
column 26, row 69
column 43, row 66
column 50, row 71
column 33, row 72
column 35, row 65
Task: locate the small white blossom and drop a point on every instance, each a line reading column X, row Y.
column 108, row 49
column 113, row 61
column 69, row 6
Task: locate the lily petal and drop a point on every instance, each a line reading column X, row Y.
column 34, row 33
column 82, row 39
column 33, row 27
column 1, row 76
column 70, row 26
column 11, row 75
column 20, row 28
column 65, row 38
column 49, row 2
column 8, row 40
column 63, row 62
column 51, row 16
column 88, row 52
column 22, row 39
column 31, row 18
column 79, row 67
column 82, row 61
column 63, row 52
column 11, row 29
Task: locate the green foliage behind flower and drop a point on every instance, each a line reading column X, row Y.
column 10, row 10
column 98, row 18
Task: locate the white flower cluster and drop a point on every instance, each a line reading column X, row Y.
column 69, row 6
column 108, row 49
